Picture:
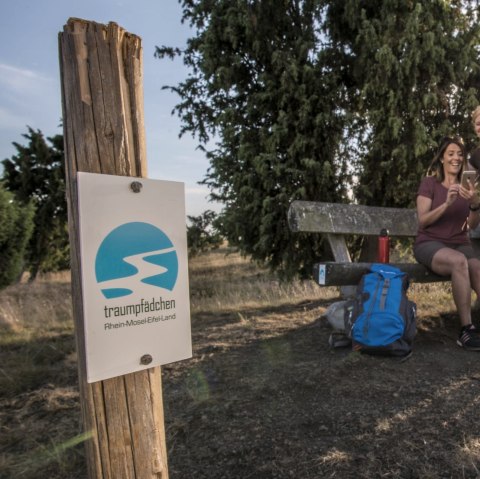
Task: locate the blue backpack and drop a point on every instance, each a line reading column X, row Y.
column 381, row 319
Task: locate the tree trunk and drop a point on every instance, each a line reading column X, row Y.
column 102, row 97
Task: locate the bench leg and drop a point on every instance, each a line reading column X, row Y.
column 476, row 245
column 341, row 255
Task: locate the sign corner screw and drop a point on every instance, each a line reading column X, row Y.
column 136, row 186
column 146, row 359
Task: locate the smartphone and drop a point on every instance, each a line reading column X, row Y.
column 471, row 176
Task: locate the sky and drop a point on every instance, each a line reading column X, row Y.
column 30, row 80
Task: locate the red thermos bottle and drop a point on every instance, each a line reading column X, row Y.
column 383, row 247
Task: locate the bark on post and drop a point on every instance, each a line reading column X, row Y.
column 102, row 97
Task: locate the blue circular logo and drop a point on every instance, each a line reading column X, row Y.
column 135, row 252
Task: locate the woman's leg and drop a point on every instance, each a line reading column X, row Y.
column 474, row 270
column 447, row 261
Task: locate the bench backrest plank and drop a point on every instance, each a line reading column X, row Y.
column 337, row 218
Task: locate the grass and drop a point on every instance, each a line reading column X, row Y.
column 37, row 334
column 38, row 380
column 224, row 281
column 40, row 431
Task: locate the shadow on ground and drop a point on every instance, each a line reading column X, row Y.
column 274, row 401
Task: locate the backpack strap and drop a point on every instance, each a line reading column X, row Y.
column 383, row 297
column 372, row 300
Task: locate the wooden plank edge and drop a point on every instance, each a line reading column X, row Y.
column 349, row 274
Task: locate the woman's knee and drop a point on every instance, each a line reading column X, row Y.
column 449, row 261
column 460, row 264
column 474, row 266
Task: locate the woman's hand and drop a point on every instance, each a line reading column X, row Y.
column 453, row 192
column 470, row 193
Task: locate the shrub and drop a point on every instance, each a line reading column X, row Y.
column 16, row 228
column 203, row 233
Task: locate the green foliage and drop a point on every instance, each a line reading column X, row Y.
column 202, row 233
column 327, row 100
column 257, row 84
column 16, row 229
column 414, row 65
column 36, row 174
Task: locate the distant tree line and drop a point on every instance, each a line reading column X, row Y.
column 327, row 100
column 33, row 212
column 322, row 100
column 32, row 197
column 203, row 233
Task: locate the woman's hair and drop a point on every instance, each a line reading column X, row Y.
column 436, row 166
column 475, row 113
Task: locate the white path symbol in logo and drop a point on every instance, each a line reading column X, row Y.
column 135, row 255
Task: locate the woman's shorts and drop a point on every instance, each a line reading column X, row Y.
column 425, row 251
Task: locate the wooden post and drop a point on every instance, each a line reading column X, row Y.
column 102, row 98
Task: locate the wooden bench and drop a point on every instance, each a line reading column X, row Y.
column 335, row 220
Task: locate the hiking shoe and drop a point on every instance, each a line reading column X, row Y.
column 469, row 338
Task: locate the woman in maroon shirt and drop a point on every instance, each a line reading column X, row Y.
column 446, row 210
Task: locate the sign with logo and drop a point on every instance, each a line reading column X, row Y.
column 134, row 273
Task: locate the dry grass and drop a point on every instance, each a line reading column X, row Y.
column 224, row 281
column 38, row 359
column 259, row 396
column 44, row 304
column 39, row 409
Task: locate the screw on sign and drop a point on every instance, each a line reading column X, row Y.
column 146, row 359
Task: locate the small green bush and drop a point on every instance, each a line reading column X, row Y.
column 203, row 233
column 16, row 227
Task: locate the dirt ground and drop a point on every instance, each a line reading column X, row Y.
column 264, row 396
column 272, row 400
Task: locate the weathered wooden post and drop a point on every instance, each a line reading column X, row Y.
column 102, row 96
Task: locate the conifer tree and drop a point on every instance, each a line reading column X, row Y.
column 412, row 63
column 327, row 100
column 36, row 174
column 15, row 231
column 258, row 86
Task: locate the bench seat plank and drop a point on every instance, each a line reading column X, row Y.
column 349, row 274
